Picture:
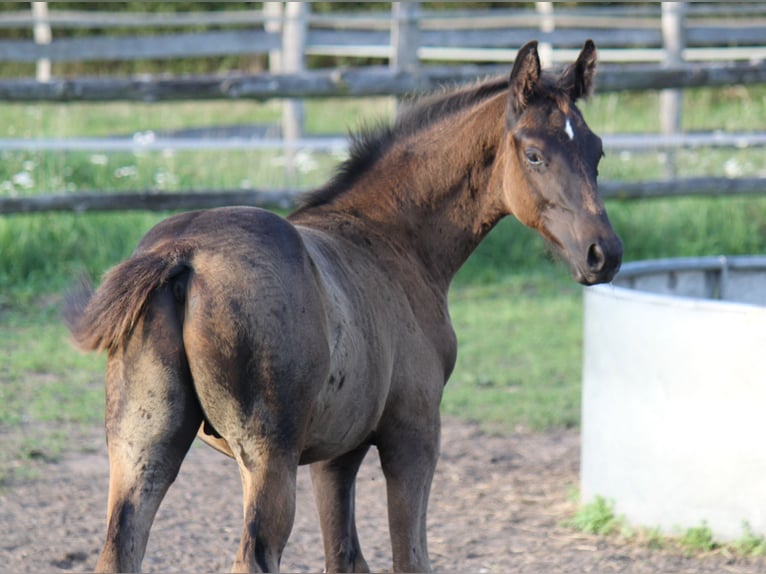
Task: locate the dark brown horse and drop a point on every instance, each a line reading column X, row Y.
column 307, row 340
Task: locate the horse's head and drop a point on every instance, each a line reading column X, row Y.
column 550, row 180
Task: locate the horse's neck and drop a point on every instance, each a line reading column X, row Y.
column 443, row 187
column 435, row 194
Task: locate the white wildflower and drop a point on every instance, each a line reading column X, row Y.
column 165, row 179
column 144, row 138
column 23, row 179
column 126, row 171
column 732, row 168
column 305, row 162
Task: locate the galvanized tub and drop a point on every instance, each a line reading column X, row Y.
column 674, row 394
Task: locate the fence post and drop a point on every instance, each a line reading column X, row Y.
column 671, row 101
column 405, row 36
column 293, row 60
column 547, row 25
column 272, row 12
column 42, row 35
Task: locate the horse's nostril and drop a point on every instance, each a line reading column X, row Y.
column 596, row 258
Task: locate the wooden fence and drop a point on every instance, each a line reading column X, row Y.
column 666, row 46
column 624, row 33
column 671, row 33
column 152, row 200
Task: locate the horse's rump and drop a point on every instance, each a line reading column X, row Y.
column 237, row 242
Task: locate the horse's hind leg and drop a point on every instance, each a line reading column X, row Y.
column 255, row 397
column 268, row 492
column 334, row 485
column 152, row 416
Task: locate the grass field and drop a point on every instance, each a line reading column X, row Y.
column 517, row 313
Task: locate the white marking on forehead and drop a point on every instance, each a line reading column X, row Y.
column 568, row 129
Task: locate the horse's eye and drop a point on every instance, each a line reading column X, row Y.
column 534, row 157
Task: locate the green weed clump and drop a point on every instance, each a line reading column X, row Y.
column 751, row 544
column 697, row 539
column 598, row 518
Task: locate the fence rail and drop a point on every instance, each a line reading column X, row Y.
column 153, row 200
column 498, row 45
column 156, row 142
column 369, row 34
column 352, row 82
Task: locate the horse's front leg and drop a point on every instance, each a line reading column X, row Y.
column 409, row 449
column 152, row 415
column 334, row 487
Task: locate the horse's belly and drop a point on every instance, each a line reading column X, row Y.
column 346, row 413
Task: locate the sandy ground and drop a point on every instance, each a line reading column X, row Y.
column 498, row 504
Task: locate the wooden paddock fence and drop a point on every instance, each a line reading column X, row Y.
column 152, row 200
column 667, row 46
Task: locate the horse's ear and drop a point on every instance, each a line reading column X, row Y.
column 577, row 79
column 524, row 77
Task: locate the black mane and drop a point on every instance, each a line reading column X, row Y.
column 371, row 143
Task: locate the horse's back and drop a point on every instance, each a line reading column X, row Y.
column 230, row 228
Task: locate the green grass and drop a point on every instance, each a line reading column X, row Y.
column 28, row 173
column 35, row 341
column 519, row 357
column 53, row 120
column 49, row 394
column 43, row 253
column 690, row 226
column 734, row 108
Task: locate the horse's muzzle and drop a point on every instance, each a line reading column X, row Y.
column 601, row 262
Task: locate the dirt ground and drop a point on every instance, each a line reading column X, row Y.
column 497, row 505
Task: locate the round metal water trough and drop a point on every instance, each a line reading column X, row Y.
column 674, row 394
